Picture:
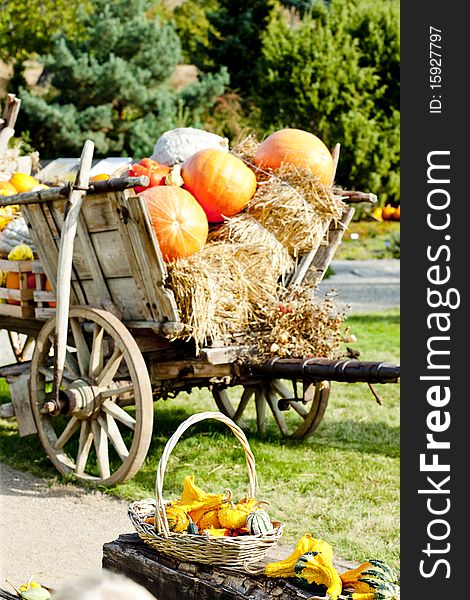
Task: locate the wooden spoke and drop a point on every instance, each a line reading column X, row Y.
column 260, row 401
column 117, row 391
column 281, row 389
column 100, row 440
column 277, row 414
column 109, row 426
column 96, row 354
column 299, row 408
column 71, row 364
column 72, row 426
column 84, row 445
column 246, row 397
column 223, row 402
column 118, row 413
column 110, row 369
column 83, row 353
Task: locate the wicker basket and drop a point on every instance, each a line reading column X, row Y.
column 234, row 553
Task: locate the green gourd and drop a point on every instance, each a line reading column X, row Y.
column 259, row 522
column 192, row 528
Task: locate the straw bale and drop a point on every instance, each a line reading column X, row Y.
column 246, row 230
column 223, row 290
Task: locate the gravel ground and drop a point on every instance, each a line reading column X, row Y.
column 53, row 532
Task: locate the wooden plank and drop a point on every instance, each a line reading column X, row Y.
column 44, row 314
column 45, row 235
column 17, row 266
column 145, row 258
column 10, row 310
column 41, row 296
column 325, row 253
column 19, row 391
column 125, row 295
column 172, row 579
column 26, row 325
column 88, row 251
column 14, row 294
column 111, row 254
column 188, row 369
column 98, row 213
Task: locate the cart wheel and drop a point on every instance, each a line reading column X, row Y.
column 298, row 420
column 105, row 374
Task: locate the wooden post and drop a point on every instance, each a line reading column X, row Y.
column 306, row 261
column 7, row 124
column 173, row 579
column 64, row 269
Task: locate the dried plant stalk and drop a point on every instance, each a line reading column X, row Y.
column 300, row 326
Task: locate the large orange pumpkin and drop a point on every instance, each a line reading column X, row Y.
column 299, row 148
column 179, row 222
column 221, row 183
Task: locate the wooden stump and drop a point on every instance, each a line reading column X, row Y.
column 170, row 579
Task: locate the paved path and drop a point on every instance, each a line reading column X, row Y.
column 365, row 285
column 53, row 532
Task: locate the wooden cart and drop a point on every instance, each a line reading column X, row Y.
column 103, row 354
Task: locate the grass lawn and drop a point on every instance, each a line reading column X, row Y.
column 375, row 240
column 342, row 484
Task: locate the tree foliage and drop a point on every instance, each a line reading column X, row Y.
column 112, row 87
column 233, row 31
column 336, row 73
column 28, row 27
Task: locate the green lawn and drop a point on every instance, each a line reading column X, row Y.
column 374, row 240
column 342, row 484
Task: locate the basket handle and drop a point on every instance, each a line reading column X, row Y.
column 161, row 522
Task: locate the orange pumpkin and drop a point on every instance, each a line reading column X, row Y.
column 221, row 183
column 388, row 213
column 48, row 288
column 178, row 220
column 299, row 148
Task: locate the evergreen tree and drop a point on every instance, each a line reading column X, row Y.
column 234, row 39
column 335, row 73
column 112, row 87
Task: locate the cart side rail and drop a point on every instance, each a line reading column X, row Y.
column 117, row 262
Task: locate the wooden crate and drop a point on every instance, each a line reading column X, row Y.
column 33, row 302
column 23, row 295
column 42, row 297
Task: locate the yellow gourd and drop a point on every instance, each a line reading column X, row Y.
column 286, row 567
column 209, row 519
column 233, row 517
column 21, row 252
column 178, row 520
column 313, row 568
column 217, row 532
